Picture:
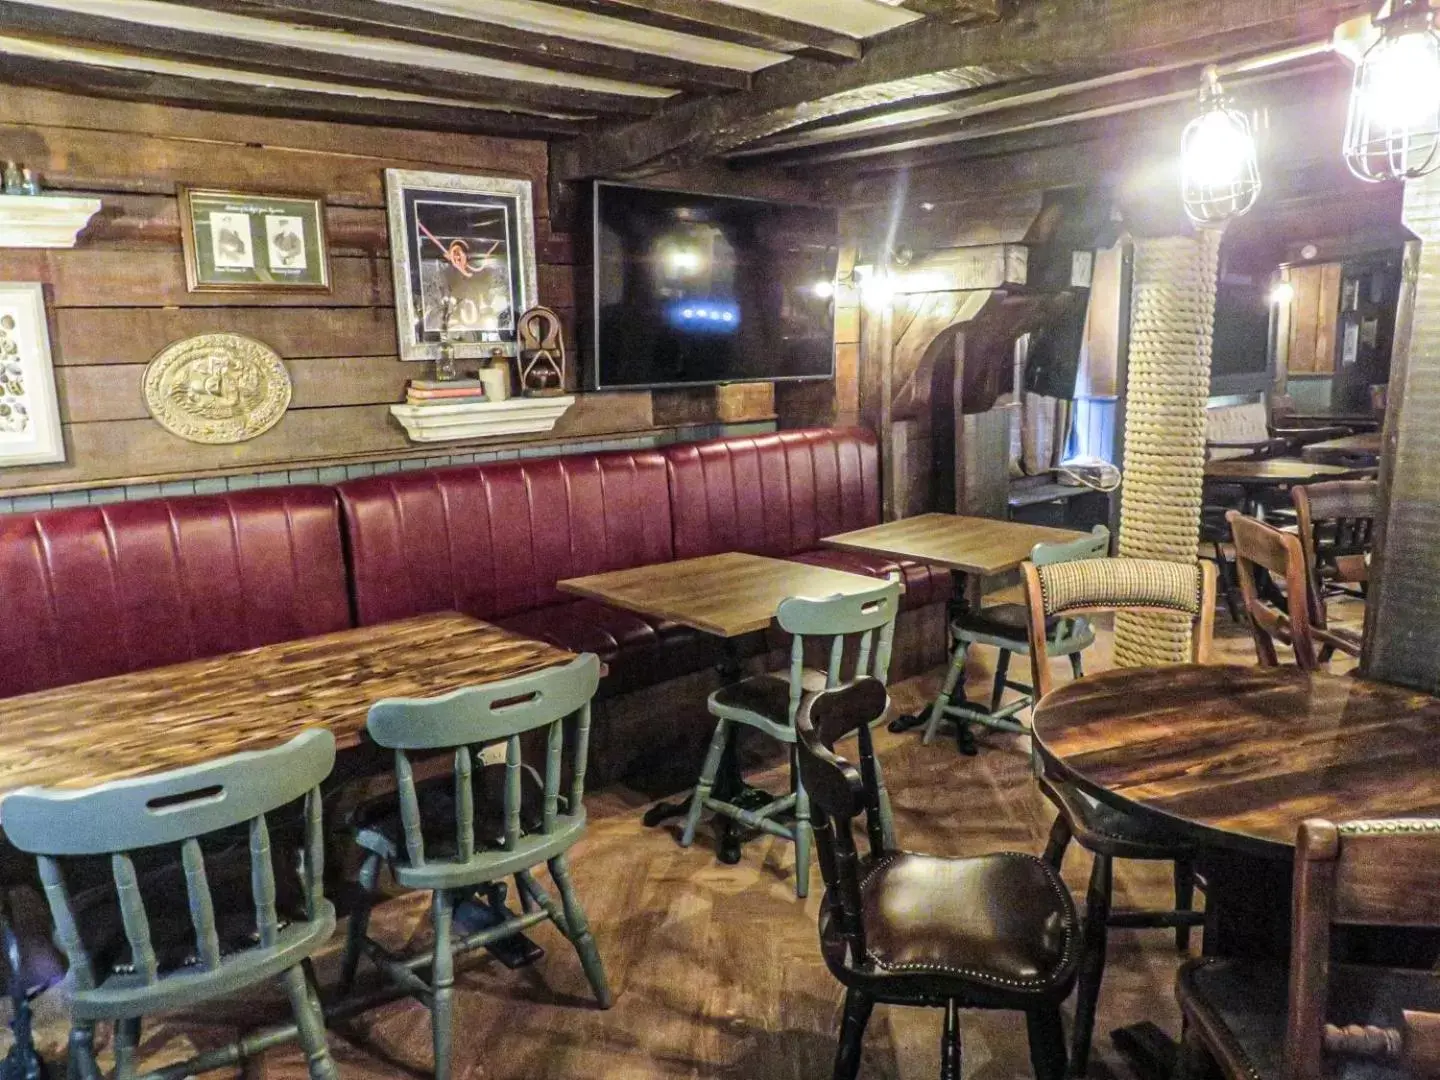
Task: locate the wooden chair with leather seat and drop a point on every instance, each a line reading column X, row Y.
column 1337, row 532
column 1082, row 588
column 1262, row 555
column 446, row 836
column 1005, row 627
column 769, row 702
column 163, row 933
column 989, row 932
column 1340, row 1020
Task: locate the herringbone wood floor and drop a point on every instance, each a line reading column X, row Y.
column 715, row 969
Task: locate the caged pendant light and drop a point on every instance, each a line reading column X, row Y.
column 1219, row 174
column 1393, row 130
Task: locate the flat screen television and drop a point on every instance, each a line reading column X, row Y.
column 700, row 289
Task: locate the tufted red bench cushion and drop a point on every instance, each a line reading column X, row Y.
column 492, row 540
column 102, row 590
column 779, row 494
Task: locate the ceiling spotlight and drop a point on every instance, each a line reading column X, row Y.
column 1219, row 173
column 1393, row 130
column 823, row 289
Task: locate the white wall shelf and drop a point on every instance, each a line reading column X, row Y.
column 44, row 221
column 481, row 420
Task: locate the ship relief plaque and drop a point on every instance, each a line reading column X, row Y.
column 217, row 388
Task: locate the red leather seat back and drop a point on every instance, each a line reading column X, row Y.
column 492, row 540
column 101, row 590
column 772, row 494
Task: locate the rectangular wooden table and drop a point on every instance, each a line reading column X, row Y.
column 169, row 717
column 726, row 595
column 1347, row 450
column 976, row 547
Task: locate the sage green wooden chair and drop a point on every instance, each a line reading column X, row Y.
column 450, row 839
column 1006, row 627
column 124, row 969
column 769, row 703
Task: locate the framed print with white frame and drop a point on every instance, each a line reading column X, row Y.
column 29, row 408
column 470, row 238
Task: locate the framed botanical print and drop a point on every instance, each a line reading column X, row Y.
column 237, row 241
column 463, row 253
column 29, row 409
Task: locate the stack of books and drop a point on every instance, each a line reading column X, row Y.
column 447, row 392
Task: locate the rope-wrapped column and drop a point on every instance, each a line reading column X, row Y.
column 1172, row 328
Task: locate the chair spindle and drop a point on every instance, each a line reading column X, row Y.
column 63, row 915
column 512, row 792
column 409, row 809
column 262, row 882
column 202, row 904
column 313, row 871
column 582, row 757
column 132, row 914
column 464, row 805
column 553, row 750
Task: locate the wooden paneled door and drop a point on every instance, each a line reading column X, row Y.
column 1314, row 313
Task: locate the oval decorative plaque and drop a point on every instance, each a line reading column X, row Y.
column 217, row 388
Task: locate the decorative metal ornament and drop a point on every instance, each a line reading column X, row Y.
column 542, row 353
column 1219, row 172
column 217, row 388
column 1393, row 129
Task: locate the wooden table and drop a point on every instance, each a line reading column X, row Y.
column 978, row 548
column 726, row 595
column 1275, row 472
column 1361, row 449
column 1235, row 758
column 165, row 718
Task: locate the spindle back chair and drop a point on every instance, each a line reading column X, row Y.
column 1259, row 547
column 124, row 818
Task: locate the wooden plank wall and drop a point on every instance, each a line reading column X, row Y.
column 120, row 295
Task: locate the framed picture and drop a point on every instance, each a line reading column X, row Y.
column 463, row 253
column 237, row 241
column 29, row 409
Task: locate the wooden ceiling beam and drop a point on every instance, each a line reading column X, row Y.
column 476, row 36
column 142, row 39
column 956, row 11
column 738, row 26
column 1047, row 37
column 233, row 97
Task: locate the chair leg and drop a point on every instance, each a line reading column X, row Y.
column 532, row 888
column 804, row 835
column 442, row 981
column 1060, row 835
column 953, row 676
column 579, row 931
column 1002, row 670
column 858, row 1006
column 1092, row 961
column 359, row 923
column 1184, row 899
column 310, row 1021
column 1077, row 665
column 950, row 1043
column 127, row 1038
column 707, row 782
column 1047, row 1042
column 80, row 1062
column 527, row 902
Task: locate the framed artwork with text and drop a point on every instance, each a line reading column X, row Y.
column 463, row 253
column 235, row 241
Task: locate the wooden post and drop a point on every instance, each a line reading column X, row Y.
column 1402, row 617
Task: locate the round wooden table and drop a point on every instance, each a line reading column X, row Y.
column 1236, row 758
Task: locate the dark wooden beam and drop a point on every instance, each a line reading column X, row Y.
column 1048, row 37
column 231, row 97
column 141, row 39
column 956, row 11
column 708, row 18
column 476, row 36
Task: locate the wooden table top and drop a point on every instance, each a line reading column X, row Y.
column 1236, row 757
column 1366, row 443
column 1276, row 471
column 165, row 718
column 726, row 595
column 973, row 545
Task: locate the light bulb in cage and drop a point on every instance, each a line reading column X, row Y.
column 1393, row 130
column 1219, row 174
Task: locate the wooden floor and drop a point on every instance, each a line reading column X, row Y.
column 715, row 969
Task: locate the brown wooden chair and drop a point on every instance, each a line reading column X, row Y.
column 1331, row 1019
column 1135, row 585
column 1337, row 533
column 989, row 932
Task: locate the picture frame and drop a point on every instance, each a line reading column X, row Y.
column 470, row 238
column 30, row 432
column 237, row 241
